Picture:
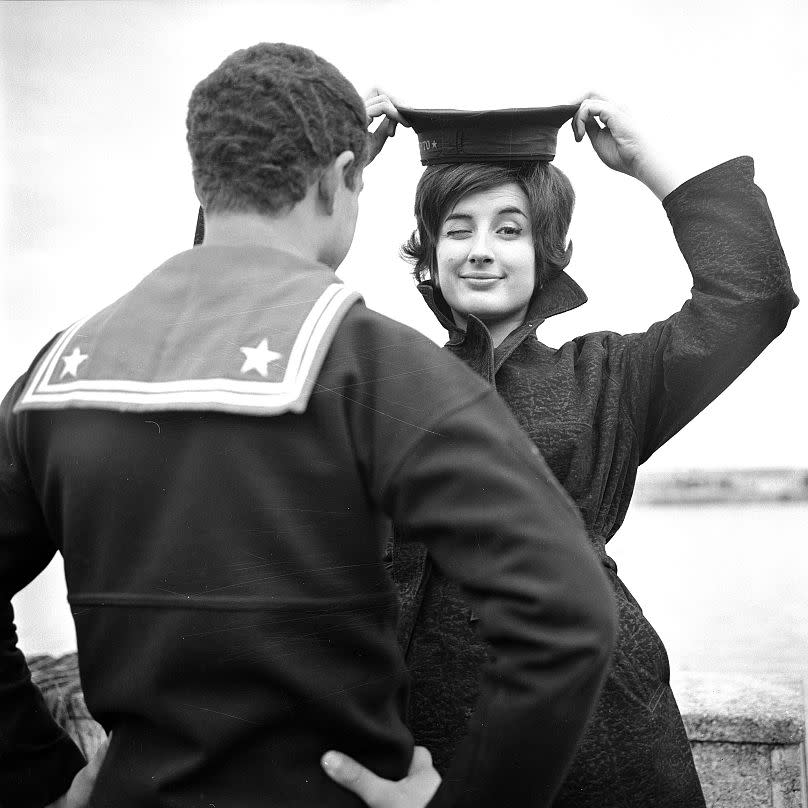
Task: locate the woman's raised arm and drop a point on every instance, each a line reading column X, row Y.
column 740, row 301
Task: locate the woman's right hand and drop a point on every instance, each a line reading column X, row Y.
column 621, row 145
column 414, row 791
column 379, row 103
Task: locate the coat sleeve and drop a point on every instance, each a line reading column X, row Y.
column 740, row 301
column 443, row 456
column 476, row 491
column 37, row 759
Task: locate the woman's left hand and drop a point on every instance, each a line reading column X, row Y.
column 620, row 144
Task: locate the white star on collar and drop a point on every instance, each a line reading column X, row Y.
column 258, row 358
column 72, row 363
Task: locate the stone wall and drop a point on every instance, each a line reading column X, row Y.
column 747, row 732
column 748, row 738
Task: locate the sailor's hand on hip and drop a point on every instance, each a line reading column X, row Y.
column 414, row 791
column 78, row 795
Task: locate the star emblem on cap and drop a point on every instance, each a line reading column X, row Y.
column 258, row 358
column 72, row 363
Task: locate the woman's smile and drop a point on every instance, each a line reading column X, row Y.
column 480, row 280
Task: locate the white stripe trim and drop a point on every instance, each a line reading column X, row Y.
column 180, row 397
column 322, row 310
column 229, row 393
column 123, row 386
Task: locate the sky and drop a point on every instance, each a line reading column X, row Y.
column 95, row 186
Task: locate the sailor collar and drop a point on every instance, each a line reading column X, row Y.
column 230, row 329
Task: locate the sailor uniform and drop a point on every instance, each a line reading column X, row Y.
column 217, row 456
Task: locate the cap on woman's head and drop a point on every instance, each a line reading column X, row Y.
column 487, row 136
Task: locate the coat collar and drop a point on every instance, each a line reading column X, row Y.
column 558, row 295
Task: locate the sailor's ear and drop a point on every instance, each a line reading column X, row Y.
column 334, row 175
column 346, row 165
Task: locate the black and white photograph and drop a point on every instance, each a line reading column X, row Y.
column 403, row 404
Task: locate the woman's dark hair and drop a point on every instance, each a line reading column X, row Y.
column 266, row 122
column 549, row 194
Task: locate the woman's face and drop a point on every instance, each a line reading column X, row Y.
column 486, row 258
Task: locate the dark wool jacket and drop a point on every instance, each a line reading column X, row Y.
column 597, row 407
column 224, row 566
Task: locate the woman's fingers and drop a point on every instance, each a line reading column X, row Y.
column 377, row 138
column 590, row 94
column 387, row 127
column 378, row 103
column 593, row 128
column 621, row 145
column 584, row 119
column 356, row 778
column 383, row 106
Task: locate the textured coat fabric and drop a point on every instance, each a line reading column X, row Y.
column 597, row 407
column 233, row 613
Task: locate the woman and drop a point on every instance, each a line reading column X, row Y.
column 489, row 255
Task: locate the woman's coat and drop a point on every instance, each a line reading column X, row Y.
column 598, row 407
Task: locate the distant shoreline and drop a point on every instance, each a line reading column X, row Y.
column 707, row 486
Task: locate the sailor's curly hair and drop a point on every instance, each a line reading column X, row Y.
column 264, row 125
column 441, row 187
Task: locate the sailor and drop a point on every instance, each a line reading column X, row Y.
column 216, row 455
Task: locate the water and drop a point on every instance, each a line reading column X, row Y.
column 725, row 586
